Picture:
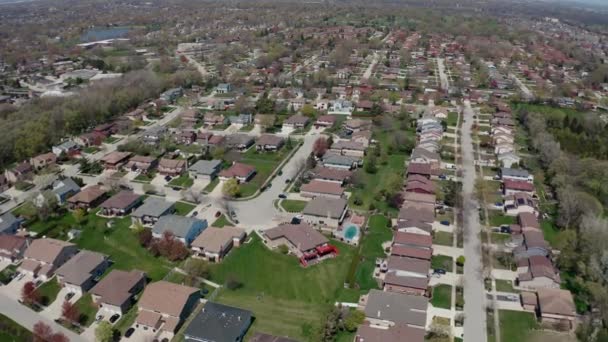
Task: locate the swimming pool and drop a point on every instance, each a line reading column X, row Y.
column 350, row 232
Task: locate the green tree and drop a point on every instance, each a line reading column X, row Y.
column 353, row 320
column 79, row 215
column 104, row 332
column 231, row 188
column 460, row 260
column 309, row 110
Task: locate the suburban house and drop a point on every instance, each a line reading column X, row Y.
column 120, row 204
column 240, row 142
column 43, row 160
column 171, row 95
column 420, row 184
column 64, row 188
column 533, row 243
column 114, row 293
column 327, row 174
column 408, row 267
column 79, row 274
column 422, row 156
column 317, row 188
column 516, row 175
column 387, row 309
column 508, row 159
column 87, row 198
column 115, row 160
column 510, row 187
column 414, row 226
column 325, row 121
column 518, row 203
column 412, row 252
column 356, row 125
column 213, row 244
column 211, row 119
column 172, row 167
column 241, row 172
column 67, row 147
column 186, row 137
column 419, row 198
column 154, row 135
column 241, row 119
column 537, row 272
column 420, row 169
column 527, row 220
column 90, row 139
column 348, row 148
column 141, row 164
column 9, row 224
column 296, row 121
column 324, row 211
column 406, row 275
column 417, row 211
column 151, row 210
column 336, row 161
column 44, row 256
column 395, row 333
column 205, row 169
column 21, row 172
column 302, row 240
column 189, row 117
column 219, row 323
column 223, row 88
column 412, row 240
column 269, row 142
column 164, row 305
column 12, row 247
column 362, row 137
column 556, row 308
column 185, row 229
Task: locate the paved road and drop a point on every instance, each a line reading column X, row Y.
column 524, row 89
column 474, row 309
column 27, row 318
column 443, row 77
column 368, row 72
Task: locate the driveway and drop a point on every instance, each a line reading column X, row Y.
column 141, row 334
column 474, row 310
column 13, row 289
column 53, row 311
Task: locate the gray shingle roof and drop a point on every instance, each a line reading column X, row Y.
column 179, row 225
column 322, row 206
column 219, row 323
column 65, row 186
column 514, row 172
column 206, row 167
column 7, row 221
column 154, row 207
column 396, row 307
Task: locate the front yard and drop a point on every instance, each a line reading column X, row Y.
column 221, row 222
column 87, row 309
column 443, row 238
column 183, row 208
column 183, row 181
column 442, row 296
column 293, row 206
column 48, row 291
column 442, row 261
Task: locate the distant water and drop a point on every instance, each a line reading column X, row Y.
column 103, row 33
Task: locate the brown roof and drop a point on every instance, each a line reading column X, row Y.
column 402, row 238
column 172, row 163
column 421, row 198
column 528, row 220
column 115, row 157
column 322, row 187
column 409, row 223
column 397, row 333
column 11, row 242
column 297, row 120
column 142, row 159
column 518, row 185
column 303, row 236
column 165, row 297
column 426, row 187
column 331, row 174
column 412, row 252
column 326, row 118
column 216, row 140
column 393, row 278
column 46, row 250
column 116, row 287
column 121, row 200
column 398, row 263
column 529, row 298
column 556, row 302
column 269, row 139
column 88, row 195
column 81, row 267
column 48, row 157
column 348, row 145
column 540, row 266
column 419, row 168
column 417, row 211
column 237, row 170
column 534, row 238
column 215, row 239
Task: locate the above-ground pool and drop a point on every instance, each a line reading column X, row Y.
column 350, row 233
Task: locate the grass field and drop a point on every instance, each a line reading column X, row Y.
column 87, row 309
column 183, row 181
column 221, row 221
column 371, row 248
column 452, row 118
column 183, row 208
column 516, row 325
column 126, row 320
column 209, row 188
column 265, row 164
column 500, row 238
column 11, row 331
column 497, row 218
column 286, row 299
column 443, row 238
column 293, row 206
column 442, row 296
column 505, row 286
column 7, row 274
column 48, row 291
column 442, row 261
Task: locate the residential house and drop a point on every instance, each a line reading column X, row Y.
column 64, row 189
column 79, row 274
column 141, row 164
column 120, row 204
column 223, row 88
column 533, row 244
column 362, row 137
column 302, row 240
column 171, row 95
column 512, row 187
column 419, row 169
column 185, row 229
column 269, row 142
column 115, row 292
column 420, row 184
column 154, row 135
column 241, row 119
column 12, row 247
column 336, row 161
column 186, row 137
column 205, row 169
column 296, row 121
column 348, row 148
column 90, row 139
column 241, row 172
column 395, row 333
column 324, row 211
column 556, row 308
column 422, row 212
column 319, row 188
column 414, row 226
column 211, row 119
column 419, row 198
column 151, row 210
column 115, row 160
column 239, row 141
column 356, row 125
column 528, row 220
column 422, row 156
column 219, row 323
column 44, row 256
column 43, row 160
column 537, row 272
column 503, row 148
column 327, row 174
column 9, row 224
column 508, row 159
column 412, row 252
column 213, row 244
column 518, row 203
column 340, row 107
column 172, row 167
column 325, row 121
column 164, row 305
column 516, row 175
column 89, row 197
column 387, row 309
column 22, row 172
column 396, row 282
column 189, row 117
column 67, row 147
column 412, row 240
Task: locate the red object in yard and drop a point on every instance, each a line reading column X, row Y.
column 303, row 262
column 326, row 249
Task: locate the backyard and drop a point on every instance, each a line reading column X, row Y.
column 371, row 248
column 265, row 164
column 295, row 302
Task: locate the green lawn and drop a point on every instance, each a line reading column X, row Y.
column 111, row 140
column 11, row 331
column 126, row 320
column 145, row 177
column 443, row 238
column 7, row 273
column 371, row 248
column 500, row 238
column 87, row 309
column 516, row 325
column 209, row 188
column 293, row 206
column 48, row 291
column 505, row 286
column 221, row 222
column 452, row 118
column 442, row 296
column 122, row 245
column 183, row 208
column 497, row 218
column 183, row 181
column 294, row 302
column 90, row 149
column 550, row 232
column 265, row 164
column 442, row 261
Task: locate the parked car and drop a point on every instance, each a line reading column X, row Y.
column 218, row 213
column 498, row 204
column 69, row 295
column 283, row 196
column 442, row 177
column 287, row 181
column 505, row 229
column 114, row 318
column 99, row 318
column 129, row 332
column 445, row 222
column 295, row 220
column 167, row 178
column 195, row 214
column 439, row 271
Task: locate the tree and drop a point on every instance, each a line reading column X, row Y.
column 460, row 260
column 29, row 293
column 231, row 188
column 320, row 147
column 370, row 165
column 353, row 320
column 197, row 268
column 104, row 332
column 79, row 215
column 58, row 337
column 42, row 332
column 145, row 237
column 309, row 110
column 70, row 312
